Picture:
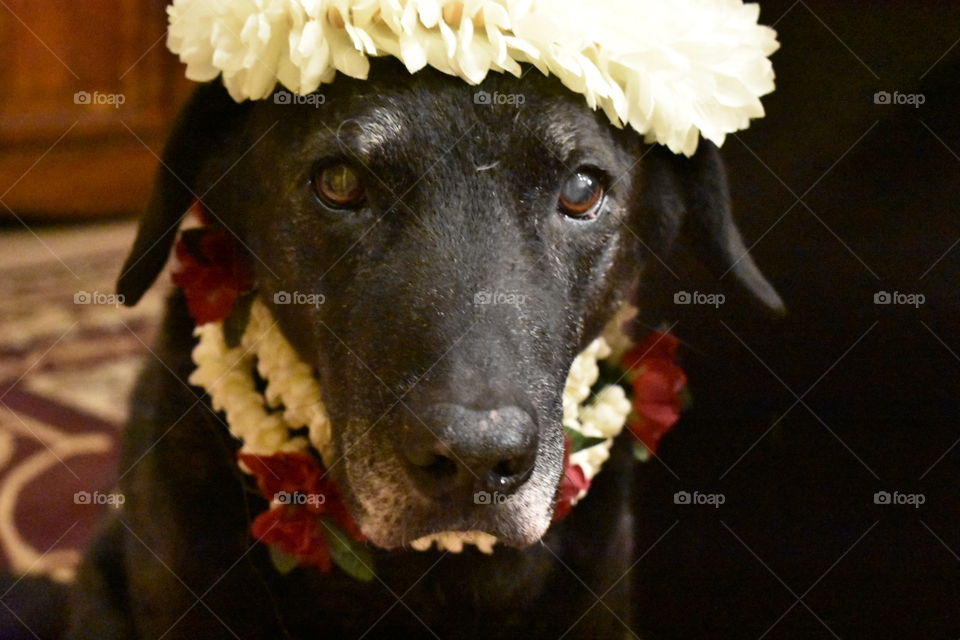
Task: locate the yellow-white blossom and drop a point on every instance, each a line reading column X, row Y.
column 673, row 70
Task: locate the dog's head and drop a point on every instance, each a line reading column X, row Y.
column 466, row 243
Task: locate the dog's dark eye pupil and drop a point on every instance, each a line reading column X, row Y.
column 339, row 186
column 581, row 195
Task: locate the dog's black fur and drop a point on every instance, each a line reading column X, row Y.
column 461, row 198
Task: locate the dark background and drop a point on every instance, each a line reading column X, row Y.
column 798, row 422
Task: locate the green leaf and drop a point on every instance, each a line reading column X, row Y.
column 610, row 374
column 578, row 441
column 236, row 322
column 283, row 562
column 686, row 398
column 353, row 558
column 640, row 452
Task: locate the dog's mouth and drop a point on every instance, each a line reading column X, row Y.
column 455, row 541
column 455, row 537
column 445, row 529
column 393, row 515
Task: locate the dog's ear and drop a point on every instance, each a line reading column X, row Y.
column 690, row 200
column 200, row 129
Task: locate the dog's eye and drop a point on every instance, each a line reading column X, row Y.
column 339, row 187
column 581, row 195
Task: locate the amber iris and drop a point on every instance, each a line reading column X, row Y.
column 339, row 187
column 581, row 195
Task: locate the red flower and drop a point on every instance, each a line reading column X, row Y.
column 295, row 528
column 297, row 532
column 573, row 482
column 291, row 473
column 657, row 384
column 212, row 272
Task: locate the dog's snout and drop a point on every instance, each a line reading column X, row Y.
column 453, row 450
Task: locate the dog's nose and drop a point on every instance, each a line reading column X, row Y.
column 451, row 449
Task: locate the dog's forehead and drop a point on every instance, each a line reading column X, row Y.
column 436, row 113
column 377, row 129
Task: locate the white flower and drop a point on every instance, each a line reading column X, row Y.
column 671, row 70
column 605, row 416
column 290, row 382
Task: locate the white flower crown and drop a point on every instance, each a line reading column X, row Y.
column 671, row 69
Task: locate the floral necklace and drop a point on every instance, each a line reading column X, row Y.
column 273, row 405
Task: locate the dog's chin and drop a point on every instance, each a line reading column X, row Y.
column 392, row 514
column 510, row 528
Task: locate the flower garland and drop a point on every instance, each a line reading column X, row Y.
column 671, row 70
column 286, row 434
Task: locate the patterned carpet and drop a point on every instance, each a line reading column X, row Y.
column 68, row 357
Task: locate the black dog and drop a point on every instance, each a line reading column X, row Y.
column 451, row 196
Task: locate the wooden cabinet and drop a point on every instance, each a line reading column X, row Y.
column 87, row 92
